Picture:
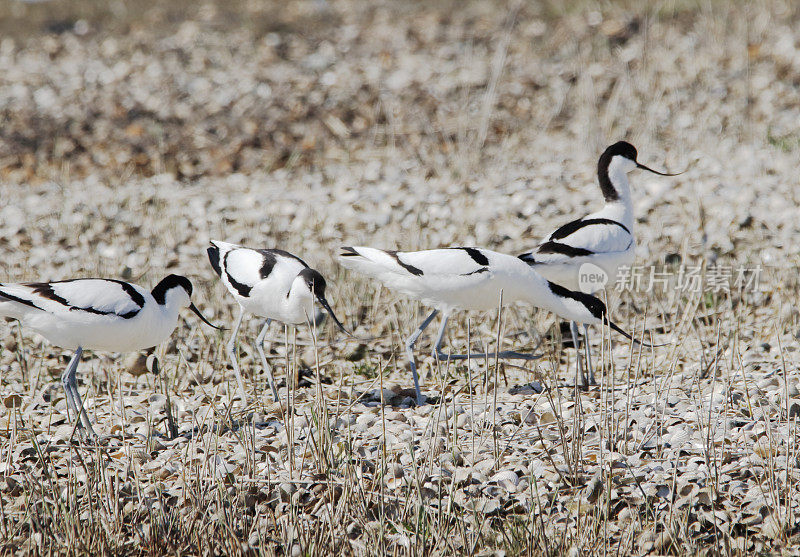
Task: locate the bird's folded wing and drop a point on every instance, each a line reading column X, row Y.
column 428, row 263
column 248, row 266
column 284, row 261
column 242, row 267
column 581, row 238
column 96, row 296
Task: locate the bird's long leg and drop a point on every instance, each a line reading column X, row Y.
column 592, row 380
column 230, row 348
column 437, row 347
column 410, row 352
column 580, row 380
column 72, row 408
column 508, row 354
column 71, row 383
column 260, row 348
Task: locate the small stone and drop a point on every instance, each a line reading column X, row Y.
column 135, row 363
column 286, row 490
column 10, row 343
column 594, row 488
column 507, row 479
column 12, row 401
column 357, row 354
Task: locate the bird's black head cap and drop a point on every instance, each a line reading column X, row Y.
column 592, row 303
column 167, row 284
column 622, row 149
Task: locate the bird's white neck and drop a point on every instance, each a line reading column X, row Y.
column 617, row 191
column 299, row 304
column 169, row 311
column 525, row 284
column 565, row 306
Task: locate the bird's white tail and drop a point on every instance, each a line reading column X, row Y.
column 372, row 262
column 9, row 307
column 216, row 253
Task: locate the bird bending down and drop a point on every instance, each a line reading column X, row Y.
column 468, row 278
column 269, row 283
column 602, row 239
column 97, row 314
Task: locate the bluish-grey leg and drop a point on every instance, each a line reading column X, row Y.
column 65, row 382
column 508, row 354
column 230, row 348
column 410, row 353
column 267, row 368
column 580, row 380
column 74, row 401
column 437, row 347
column 592, row 380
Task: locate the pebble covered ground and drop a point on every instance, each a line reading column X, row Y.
column 131, row 134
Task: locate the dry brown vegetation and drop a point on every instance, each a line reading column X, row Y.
column 133, row 132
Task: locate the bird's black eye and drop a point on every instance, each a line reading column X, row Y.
column 314, row 281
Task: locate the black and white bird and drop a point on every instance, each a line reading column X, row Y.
column 269, row 283
column 468, row 278
column 97, row 314
column 603, row 239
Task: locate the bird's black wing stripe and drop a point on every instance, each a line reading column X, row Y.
column 476, row 272
column 284, row 254
column 476, row 255
column 268, row 264
column 410, row 268
column 19, row 300
column 270, row 260
column 563, row 249
column 137, row 298
column 213, row 257
column 242, row 289
column 574, row 226
column 293, row 256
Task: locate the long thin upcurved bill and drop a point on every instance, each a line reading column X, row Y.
column 643, row 167
column 203, row 319
column 324, row 303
